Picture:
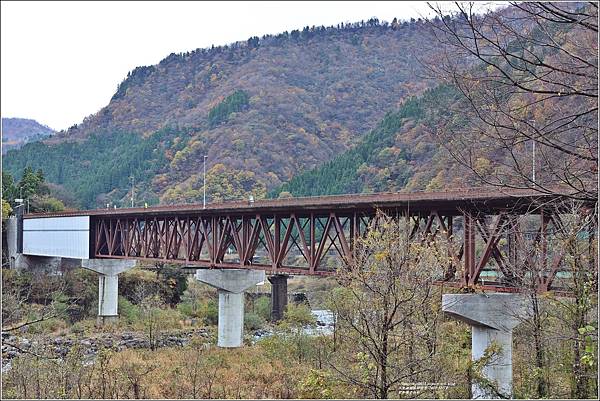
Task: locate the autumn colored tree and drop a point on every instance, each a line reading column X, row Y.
column 388, row 309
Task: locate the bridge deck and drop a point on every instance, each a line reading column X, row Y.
column 483, row 198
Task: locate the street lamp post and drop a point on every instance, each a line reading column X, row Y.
column 204, row 181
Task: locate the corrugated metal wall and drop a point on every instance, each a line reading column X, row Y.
column 67, row 237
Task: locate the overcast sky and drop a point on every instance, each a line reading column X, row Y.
column 62, row 61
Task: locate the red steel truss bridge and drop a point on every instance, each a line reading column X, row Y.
column 490, row 232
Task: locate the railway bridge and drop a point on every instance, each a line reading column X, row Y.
column 235, row 245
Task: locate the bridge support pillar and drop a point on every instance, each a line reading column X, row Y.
column 492, row 318
column 279, row 298
column 231, row 284
column 108, row 285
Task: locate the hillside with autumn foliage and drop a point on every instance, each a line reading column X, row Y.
column 262, row 110
column 533, row 81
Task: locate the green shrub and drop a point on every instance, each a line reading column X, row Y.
column 211, row 313
column 199, row 307
column 47, row 326
column 85, row 327
column 278, row 347
column 128, row 312
column 187, row 309
column 253, row 321
column 170, row 318
column 317, row 384
column 262, row 307
column 81, row 287
column 298, row 316
column 168, row 286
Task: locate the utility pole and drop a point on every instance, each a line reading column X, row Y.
column 533, row 136
column 19, row 209
column 132, row 188
column 533, row 167
column 204, row 181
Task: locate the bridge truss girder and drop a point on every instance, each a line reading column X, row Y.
column 316, row 243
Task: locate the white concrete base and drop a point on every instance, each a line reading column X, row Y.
column 498, row 370
column 231, row 319
column 492, row 318
column 108, row 295
column 108, row 285
column 109, row 267
column 231, row 284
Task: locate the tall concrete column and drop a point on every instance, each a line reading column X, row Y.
column 279, row 298
column 108, row 298
column 108, row 285
column 492, row 318
column 231, row 284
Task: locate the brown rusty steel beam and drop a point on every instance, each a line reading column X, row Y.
column 469, row 248
column 281, row 235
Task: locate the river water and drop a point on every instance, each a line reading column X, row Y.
column 325, row 322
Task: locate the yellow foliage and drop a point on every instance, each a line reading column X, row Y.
column 6, row 209
column 380, row 256
column 437, row 182
column 482, row 166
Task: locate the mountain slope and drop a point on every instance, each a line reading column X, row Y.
column 481, row 129
column 18, row 131
column 307, row 96
column 401, row 153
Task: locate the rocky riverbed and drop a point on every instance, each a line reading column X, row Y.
column 60, row 346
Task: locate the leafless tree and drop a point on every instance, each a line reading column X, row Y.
column 36, row 301
column 528, row 79
column 201, row 370
column 578, row 313
column 556, row 250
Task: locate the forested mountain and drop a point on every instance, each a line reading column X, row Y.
column 262, row 110
column 534, row 81
column 18, row 131
column 401, row 153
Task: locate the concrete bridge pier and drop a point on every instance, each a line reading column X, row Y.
column 231, row 284
column 492, row 318
column 108, row 285
column 279, row 298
